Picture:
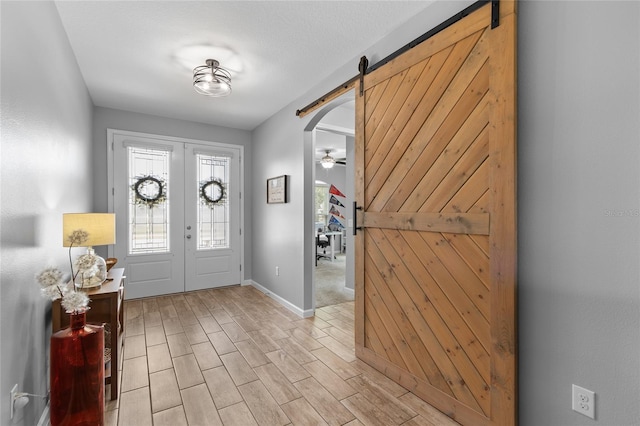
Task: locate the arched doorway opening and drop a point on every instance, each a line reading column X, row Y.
column 329, row 277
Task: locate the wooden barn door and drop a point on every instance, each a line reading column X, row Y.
column 436, row 253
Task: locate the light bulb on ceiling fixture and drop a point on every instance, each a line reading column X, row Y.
column 327, row 161
column 211, row 79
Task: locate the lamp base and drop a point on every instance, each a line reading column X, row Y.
column 91, row 270
column 87, row 286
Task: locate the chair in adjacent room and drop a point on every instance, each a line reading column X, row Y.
column 322, row 241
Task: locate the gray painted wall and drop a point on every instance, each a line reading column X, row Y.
column 45, row 171
column 343, row 115
column 278, row 229
column 107, row 118
column 579, row 168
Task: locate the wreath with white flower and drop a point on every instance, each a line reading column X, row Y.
column 212, row 192
column 149, row 190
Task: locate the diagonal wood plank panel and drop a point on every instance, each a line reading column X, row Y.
column 435, row 174
column 378, row 158
column 428, row 295
column 458, row 353
column 429, row 92
column 424, row 123
column 386, row 97
column 429, row 327
column 461, row 303
column 462, row 113
column 455, row 158
column 374, row 96
column 398, row 102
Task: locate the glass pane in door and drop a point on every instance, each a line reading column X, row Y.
column 148, row 200
column 213, row 209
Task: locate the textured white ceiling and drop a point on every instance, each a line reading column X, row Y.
column 139, row 55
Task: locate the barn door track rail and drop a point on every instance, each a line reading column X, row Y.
column 364, row 68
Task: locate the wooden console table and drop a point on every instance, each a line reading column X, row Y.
column 106, row 308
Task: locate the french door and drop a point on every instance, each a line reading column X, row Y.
column 177, row 206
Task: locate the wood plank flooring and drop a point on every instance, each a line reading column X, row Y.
column 233, row 356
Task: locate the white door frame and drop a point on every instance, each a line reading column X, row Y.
column 110, row 176
column 309, row 140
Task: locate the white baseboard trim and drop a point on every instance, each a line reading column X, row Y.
column 351, row 292
column 293, row 308
column 44, row 418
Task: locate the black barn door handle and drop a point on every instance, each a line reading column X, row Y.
column 355, row 217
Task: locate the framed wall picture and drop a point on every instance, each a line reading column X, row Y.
column 277, row 190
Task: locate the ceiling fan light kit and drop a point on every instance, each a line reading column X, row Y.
column 327, row 161
column 211, row 79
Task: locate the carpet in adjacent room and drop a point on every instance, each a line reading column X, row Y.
column 330, row 279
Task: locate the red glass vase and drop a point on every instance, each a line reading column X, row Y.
column 77, row 374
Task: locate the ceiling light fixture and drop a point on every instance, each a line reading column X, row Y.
column 327, row 161
column 211, row 79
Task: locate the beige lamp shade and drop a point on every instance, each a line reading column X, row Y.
column 101, row 228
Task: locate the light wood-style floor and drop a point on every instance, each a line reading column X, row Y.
column 234, row 356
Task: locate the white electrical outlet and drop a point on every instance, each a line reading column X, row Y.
column 584, row 401
column 277, row 271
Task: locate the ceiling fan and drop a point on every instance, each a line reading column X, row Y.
column 328, row 161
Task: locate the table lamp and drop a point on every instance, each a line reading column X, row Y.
column 100, row 228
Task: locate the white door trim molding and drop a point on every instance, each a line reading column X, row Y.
column 111, row 133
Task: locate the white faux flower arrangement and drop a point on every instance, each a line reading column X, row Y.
column 52, row 287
